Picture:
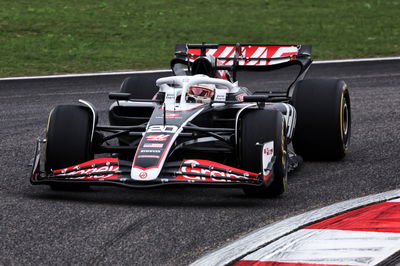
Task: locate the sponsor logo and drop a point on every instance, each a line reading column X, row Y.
column 240, row 97
column 111, row 168
column 143, row 175
column 161, row 137
column 149, row 156
column 172, row 115
column 150, row 151
column 206, row 172
column 153, row 145
column 220, row 97
column 268, row 151
column 170, row 97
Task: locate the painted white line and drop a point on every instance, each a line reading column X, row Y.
column 134, row 72
column 98, row 74
column 259, row 238
column 355, row 60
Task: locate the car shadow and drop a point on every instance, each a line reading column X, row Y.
column 160, row 197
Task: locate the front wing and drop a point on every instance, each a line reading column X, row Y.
column 112, row 171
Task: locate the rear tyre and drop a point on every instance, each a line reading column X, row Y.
column 323, row 124
column 140, row 86
column 260, row 126
column 68, row 140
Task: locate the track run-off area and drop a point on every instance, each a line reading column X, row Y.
column 176, row 226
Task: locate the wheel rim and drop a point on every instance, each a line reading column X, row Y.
column 285, row 161
column 345, row 122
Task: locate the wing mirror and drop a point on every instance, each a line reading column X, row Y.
column 119, row 96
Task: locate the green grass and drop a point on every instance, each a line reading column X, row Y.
column 58, row 36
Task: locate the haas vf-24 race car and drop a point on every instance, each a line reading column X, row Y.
column 199, row 126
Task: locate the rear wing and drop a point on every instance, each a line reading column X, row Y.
column 233, row 57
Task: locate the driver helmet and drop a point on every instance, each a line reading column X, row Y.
column 200, row 93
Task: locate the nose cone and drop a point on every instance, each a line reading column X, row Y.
column 144, row 174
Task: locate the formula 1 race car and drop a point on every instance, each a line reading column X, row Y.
column 199, row 127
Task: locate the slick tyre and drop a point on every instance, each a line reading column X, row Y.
column 68, row 140
column 140, row 86
column 323, row 124
column 260, row 126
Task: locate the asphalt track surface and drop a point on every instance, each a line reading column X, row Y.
column 167, row 226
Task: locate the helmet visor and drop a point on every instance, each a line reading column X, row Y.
column 200, row 91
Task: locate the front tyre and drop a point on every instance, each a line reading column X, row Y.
column 260, row 126
column 68, row 143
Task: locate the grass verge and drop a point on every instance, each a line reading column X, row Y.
column 46, row 37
